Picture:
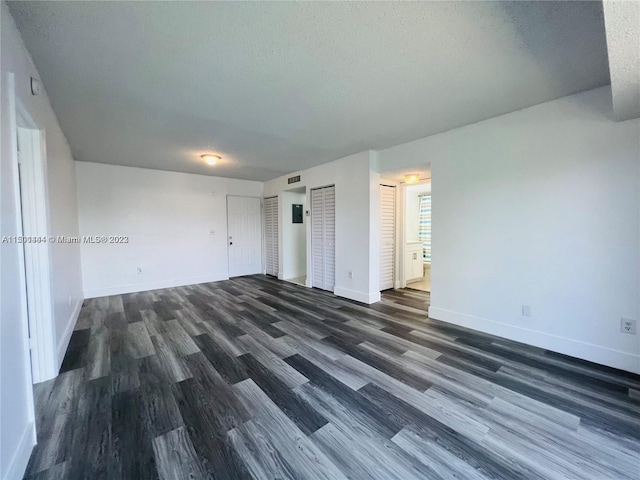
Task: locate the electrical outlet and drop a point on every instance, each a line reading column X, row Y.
column 139, row 270
column 628, row 325
column 526, row 310
column 212, row 232
column 350, row 274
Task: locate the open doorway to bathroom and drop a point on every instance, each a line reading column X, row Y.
column 294, row 235
column 417, row 235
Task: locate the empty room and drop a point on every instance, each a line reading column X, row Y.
column 361, row 240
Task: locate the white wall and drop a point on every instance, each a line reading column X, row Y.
column 17, row 433
column 167, row 217
column 294, row 237
column 538, row 207
column 357, row 208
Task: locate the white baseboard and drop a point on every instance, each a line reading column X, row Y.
column 361, row 297
column 154, row 285
column 567, row 346
column 63, row 343
column 18, row 464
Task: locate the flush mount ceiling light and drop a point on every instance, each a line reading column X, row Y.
column 210, row 159
column 411, row 178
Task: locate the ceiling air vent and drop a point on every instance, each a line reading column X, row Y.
column 295, row 179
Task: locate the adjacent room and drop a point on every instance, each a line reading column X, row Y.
column 320, row 240
column 417, row 231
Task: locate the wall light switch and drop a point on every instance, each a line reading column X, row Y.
column 526, row 310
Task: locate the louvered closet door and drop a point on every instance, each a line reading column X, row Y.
column 387, row 235
column 271, row 235
column 329, row 238
column 323, row 236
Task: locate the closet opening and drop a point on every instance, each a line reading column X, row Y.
column 294, row 235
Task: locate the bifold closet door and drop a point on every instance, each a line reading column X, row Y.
column 271, row 235
column 387, row 235
column 323, row 237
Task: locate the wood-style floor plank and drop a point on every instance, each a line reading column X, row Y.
column 254, row 378
column 176, row 458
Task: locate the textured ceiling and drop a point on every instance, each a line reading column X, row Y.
column 276, row 87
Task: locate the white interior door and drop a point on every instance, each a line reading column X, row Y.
column 271, row 235
column 387, row 235
column 323, row 236
column 244, row 225
column 35, row 223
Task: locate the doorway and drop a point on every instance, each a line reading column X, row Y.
column 36, row 254
column 417, row 234
column 294, row 235
column 244, row 230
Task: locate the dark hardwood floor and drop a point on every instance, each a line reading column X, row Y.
column 258, row 378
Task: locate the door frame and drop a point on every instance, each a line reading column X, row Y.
column 33, row 214
column 262, row 236
column 309, row 282
column 264, row 233
column 401, row 208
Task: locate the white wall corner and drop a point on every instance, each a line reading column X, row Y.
column 362, row 297
column 629, row 362
column 63, row 343
column 18, row 464
column 374, row 163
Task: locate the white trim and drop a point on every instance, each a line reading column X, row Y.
column 18, row 464
column 361, row 297
column 63, row 343
column 14, row 107
column 35, row 221
column 575, row 348
column 143, row 287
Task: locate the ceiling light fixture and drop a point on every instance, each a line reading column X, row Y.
column 210, row 159
column 411, row 178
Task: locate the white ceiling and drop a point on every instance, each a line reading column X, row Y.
column 276, row 87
